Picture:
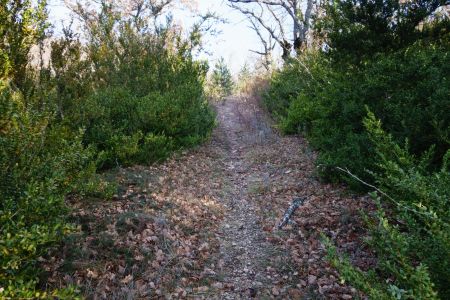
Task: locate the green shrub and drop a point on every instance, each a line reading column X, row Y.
column 402, row 281
column 39, row 165
column 400, row 73
column 285, row 85
column 156, row 148
column 410, row 232
column 154, row 90
column 324, row 105
column 124, row 96
column 423, row 205
column 124, row 127
column 408, row 90
column 220, row 83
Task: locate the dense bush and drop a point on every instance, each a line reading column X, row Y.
column 410, row 233
column 408, row 89
column 141, row 108
column 39, row 164
column 400, row 74
column 288, row 83
column 125, row 95
column 422, row 208
column 128, row 129
column 39, row 161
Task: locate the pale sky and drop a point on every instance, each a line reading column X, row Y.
column 233, row 43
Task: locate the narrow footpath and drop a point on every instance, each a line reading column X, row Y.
column 202, row 225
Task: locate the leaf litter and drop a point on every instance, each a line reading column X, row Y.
column 202, row 225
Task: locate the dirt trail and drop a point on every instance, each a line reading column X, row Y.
column 200, row 225
column 244, row 246
column 265, row 172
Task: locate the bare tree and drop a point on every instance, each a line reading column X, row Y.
column 276, row 15
column 267, row 43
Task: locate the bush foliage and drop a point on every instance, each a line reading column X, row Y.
column 410, row 231
column 40, row 162
column 126, row 95
column 221, row 82
column 399, row 74
column 407, row 90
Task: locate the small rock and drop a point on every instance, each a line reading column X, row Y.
column 203, row 247
column 295, row 294
column 312, row 279
column 275, row 291
column 218, row 285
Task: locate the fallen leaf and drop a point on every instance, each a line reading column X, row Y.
column 127, row 279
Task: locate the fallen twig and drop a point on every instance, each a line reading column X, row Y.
column 296, row 203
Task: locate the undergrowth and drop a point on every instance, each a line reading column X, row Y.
column 375, row 104
column 123, row 94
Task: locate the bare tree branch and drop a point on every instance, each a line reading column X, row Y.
column 277, row 19
column 253, row 16
column 267, row 44
column 259, row 19
column 299, row 19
